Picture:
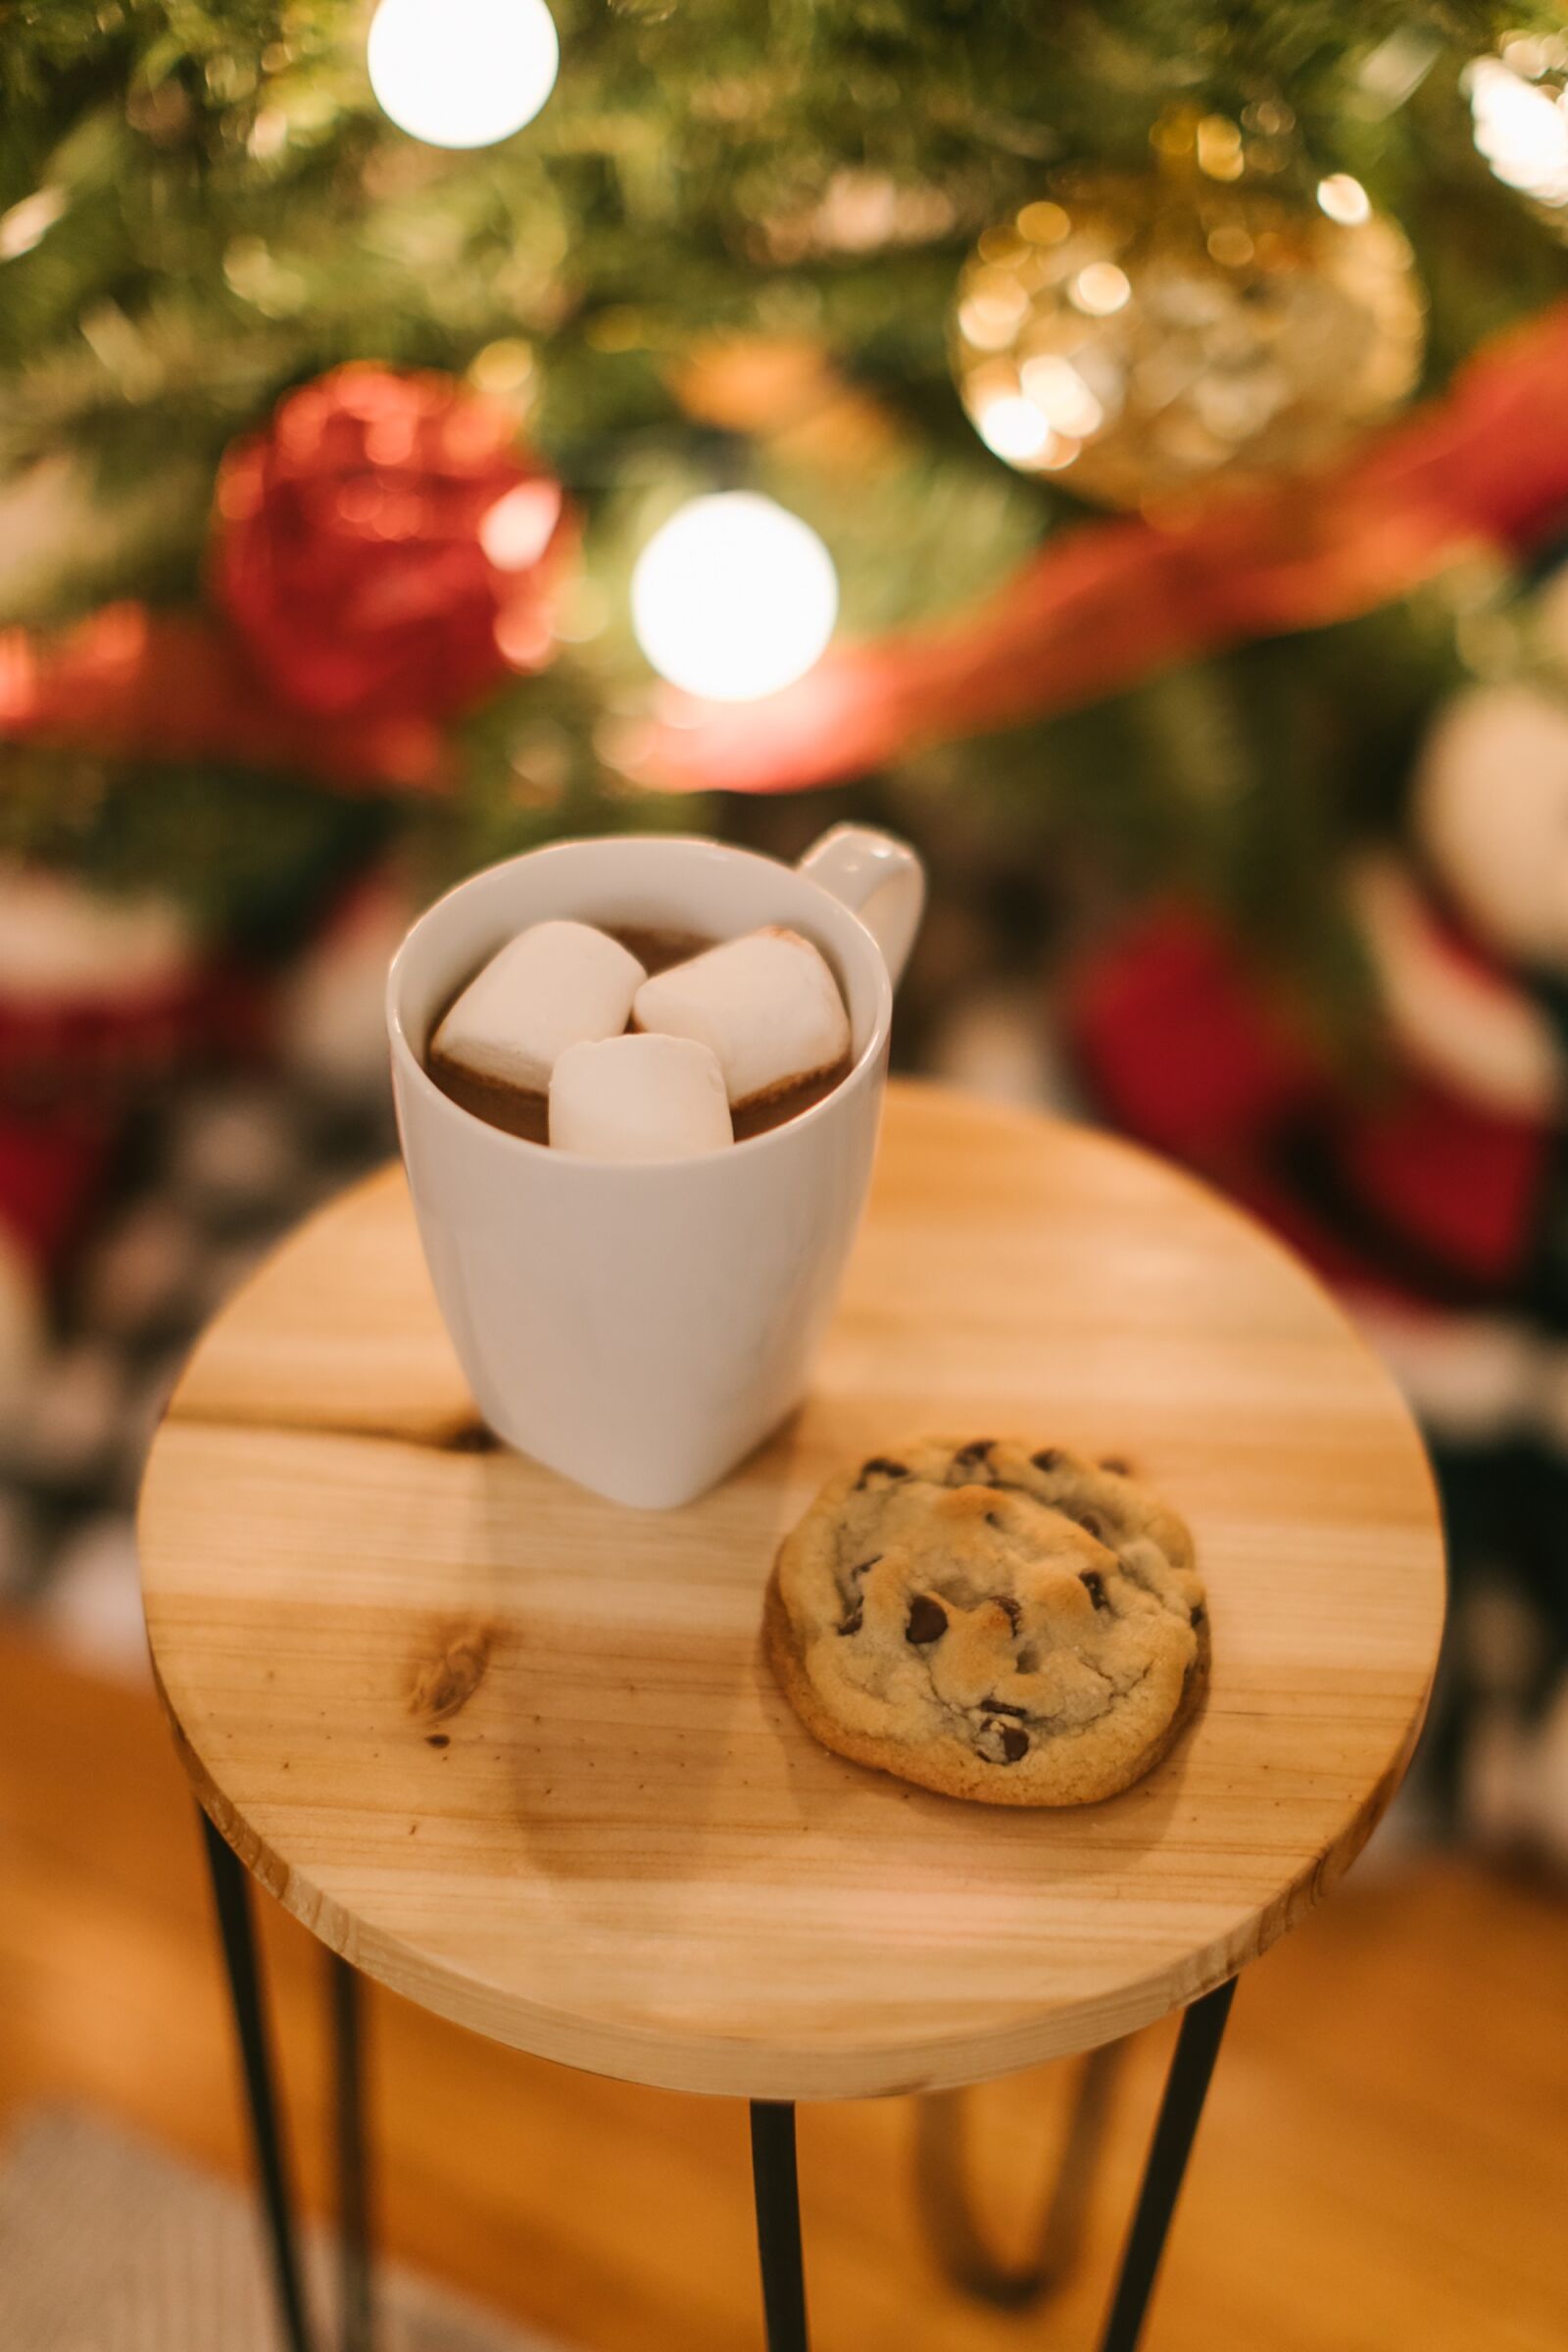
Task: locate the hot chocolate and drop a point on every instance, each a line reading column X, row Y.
column 525, row 1111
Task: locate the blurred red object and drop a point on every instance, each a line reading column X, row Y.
column 138, row 684
column 383, row 551
column 1186, row 1050
column 50, row 1170
column 383, row 556
column 1410, row 1187
column 101, row 998
column 104, row 1049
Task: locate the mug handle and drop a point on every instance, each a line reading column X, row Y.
column 878, row 879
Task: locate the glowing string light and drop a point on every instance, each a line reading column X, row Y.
column 1343, row 199
column 463, row 72
column 1521, row 124
column 1014, row 429
column 733, row 597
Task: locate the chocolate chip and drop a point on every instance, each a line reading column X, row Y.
column 1001, row 1742
column 438, row 1739
column 879, row 1467
column 1001, row 1706
column 1117, row 1463
column 928, row 1619
column 1092, row 1525
column 1048, row 1458
column 975, row 1455
column 1005, row 1602
column 1094, row 1584
column 993, row 1519
column 852, row 1623
column 998, row 1741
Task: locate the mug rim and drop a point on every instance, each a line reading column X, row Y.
column 410, row 1062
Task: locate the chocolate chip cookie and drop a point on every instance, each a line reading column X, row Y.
column 1011, row 1624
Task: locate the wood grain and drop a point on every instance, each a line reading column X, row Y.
column 515, row 1751
column 1382, row 2162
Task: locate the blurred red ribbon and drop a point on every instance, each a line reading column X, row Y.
column 1107, row 603
column 1101, row 606
column 383, row 557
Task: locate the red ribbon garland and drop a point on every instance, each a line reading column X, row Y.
column 140, row 684
column 1109, row 603
column 1101, row 607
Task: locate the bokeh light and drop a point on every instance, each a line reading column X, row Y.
column 1520, row 110
column 463, row 72
column 1013, row 427
column 734, row 597
column 1343, row 199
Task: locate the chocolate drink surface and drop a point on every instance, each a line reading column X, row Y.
column 527, row 1114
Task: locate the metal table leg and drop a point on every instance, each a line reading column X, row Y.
column 774, row 2173
column 231, row 1897
column 1185, row 2085
column 950, row 2227
column 778, row 2206
column 776, row 2184
column 356, row 2304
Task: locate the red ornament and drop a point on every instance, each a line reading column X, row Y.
column 382, row 549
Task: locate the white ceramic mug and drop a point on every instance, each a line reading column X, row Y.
column 642, row 1328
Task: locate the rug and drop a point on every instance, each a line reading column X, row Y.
column 107, row 2244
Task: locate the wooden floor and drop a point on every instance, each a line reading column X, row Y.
column 1384, row 2163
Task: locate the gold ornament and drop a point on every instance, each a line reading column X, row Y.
column 1144, row 336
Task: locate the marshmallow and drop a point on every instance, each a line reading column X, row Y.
column 549, row 987
column 639, row 1097
column 767, row 1003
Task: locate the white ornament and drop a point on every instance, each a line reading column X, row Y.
column 62, row 943
column 733, row 597
column 1492, row 809
column 1468, row 1024
column 463, row 72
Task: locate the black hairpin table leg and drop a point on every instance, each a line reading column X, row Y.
column 1197, row 2048
column 356, row 2324
column 776, row 2182
column 231, row 1896
column 775, row 2172
column 952, row 2229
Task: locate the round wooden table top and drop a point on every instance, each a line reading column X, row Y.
column 516, row 1751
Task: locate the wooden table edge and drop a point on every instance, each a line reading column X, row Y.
column 671, row 2058
column 719, row 2065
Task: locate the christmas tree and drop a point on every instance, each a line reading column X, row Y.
column 1123, row 447
column 826, row 257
